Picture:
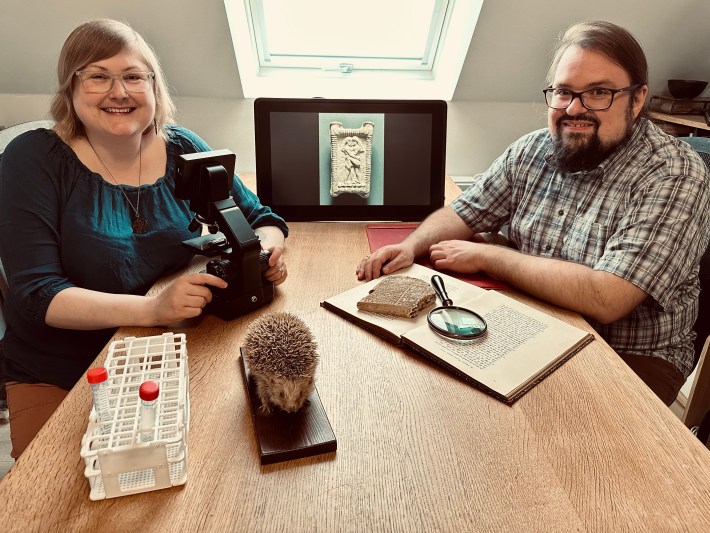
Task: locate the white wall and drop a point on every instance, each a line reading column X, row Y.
column 16, row 108
column 497, row 99
column 477, row 132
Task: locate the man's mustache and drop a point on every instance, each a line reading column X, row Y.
column 587, row 117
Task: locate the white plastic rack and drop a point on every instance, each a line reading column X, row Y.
column 117, row 462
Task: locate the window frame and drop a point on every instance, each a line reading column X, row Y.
column 345, row 63
column 434, row 78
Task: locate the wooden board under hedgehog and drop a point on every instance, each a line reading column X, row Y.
column 278, row 364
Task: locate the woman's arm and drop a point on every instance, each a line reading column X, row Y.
column 83, row 309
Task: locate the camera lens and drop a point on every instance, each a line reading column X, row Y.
column 218, row 268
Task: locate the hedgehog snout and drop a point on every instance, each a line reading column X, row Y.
column 292, row 394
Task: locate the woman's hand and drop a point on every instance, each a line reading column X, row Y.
column 276, row 273
column 273, row 240
column 185, row 297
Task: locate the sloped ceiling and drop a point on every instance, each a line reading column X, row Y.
column 506, row 61
column 191, row 39
column 511, row 48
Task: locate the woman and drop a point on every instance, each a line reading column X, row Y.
column 89, row 221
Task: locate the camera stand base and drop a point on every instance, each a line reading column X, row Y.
column 285, row 436
column 240, row 305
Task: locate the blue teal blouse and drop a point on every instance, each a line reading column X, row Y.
column 62, row 225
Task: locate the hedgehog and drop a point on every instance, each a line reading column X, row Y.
column 281, row 354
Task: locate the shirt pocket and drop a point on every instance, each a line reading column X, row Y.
column 584, row 242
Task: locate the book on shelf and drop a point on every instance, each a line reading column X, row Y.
column 520, row 347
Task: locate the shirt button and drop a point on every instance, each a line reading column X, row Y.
column 548, row 247
column 561, row 212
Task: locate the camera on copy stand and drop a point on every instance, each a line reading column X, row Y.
column 205, row 179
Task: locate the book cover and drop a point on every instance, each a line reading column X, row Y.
column 521, row 346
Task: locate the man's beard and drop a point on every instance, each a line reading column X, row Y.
column 575, row 153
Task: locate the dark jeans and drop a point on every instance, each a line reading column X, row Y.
column 661, row 376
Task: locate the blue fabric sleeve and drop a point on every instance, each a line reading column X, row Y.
column 30, row 225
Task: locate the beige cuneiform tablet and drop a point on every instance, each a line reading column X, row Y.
column 398, row 296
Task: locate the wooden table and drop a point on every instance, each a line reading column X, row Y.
column 588, row 449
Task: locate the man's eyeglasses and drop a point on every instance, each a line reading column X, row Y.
column 98, row 82
column 592, row 99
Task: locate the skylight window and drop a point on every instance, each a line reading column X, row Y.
column 366, row 49
column 284, row 37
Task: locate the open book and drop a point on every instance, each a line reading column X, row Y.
column 520, row 347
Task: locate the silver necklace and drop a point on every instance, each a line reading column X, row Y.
column 139, row 225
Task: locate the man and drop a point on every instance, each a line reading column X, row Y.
column 608, row 213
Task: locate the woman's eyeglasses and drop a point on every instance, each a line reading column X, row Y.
column 98, row 82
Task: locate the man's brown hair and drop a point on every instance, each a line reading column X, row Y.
column 609, row 39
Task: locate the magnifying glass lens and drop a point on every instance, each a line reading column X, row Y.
column 456, row 322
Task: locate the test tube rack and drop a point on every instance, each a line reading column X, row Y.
column 117, row 463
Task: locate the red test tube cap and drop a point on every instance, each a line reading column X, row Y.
column 149, row 391
column 97, row 375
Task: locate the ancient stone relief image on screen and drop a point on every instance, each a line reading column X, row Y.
column 351, row 158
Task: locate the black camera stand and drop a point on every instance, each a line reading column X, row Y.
column 205, row 180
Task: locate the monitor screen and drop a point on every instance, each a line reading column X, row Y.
column 323, row 159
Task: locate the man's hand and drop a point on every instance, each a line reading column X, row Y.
column 385, row 260
column 457, row 256
column 440, row 225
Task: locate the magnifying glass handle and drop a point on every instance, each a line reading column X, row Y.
column 440, row 290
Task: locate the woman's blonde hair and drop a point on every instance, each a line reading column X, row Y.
column 93, row 41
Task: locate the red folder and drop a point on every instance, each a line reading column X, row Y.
column 379, row 235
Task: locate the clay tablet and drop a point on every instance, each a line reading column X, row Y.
column 398, row 296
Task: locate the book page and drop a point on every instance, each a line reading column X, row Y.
column 519, row 328
column 347, row 301
column 518, row 345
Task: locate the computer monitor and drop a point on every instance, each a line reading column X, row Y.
column 364, row 160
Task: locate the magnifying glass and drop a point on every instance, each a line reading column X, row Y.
column 451, row 321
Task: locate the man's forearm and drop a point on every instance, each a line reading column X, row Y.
column 442, row 224
column 601, row 296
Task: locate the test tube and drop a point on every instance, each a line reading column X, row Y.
column 148, row 392
column 98, row 378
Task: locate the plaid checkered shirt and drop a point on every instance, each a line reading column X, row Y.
column 643, row 214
